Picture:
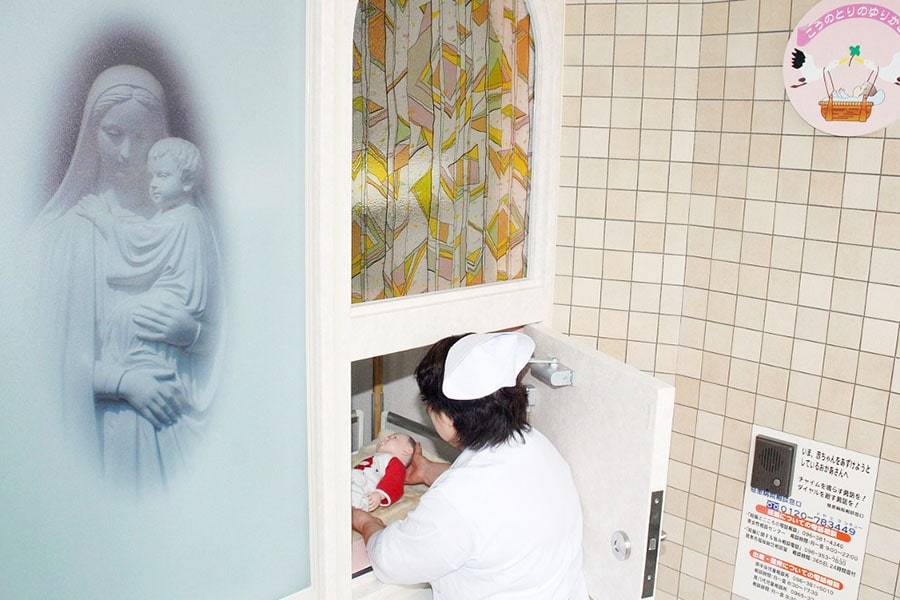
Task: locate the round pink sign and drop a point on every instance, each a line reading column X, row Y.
column 842, row 66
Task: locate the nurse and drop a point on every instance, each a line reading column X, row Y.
column 504, row 520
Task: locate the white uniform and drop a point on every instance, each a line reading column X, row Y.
column 502, row 522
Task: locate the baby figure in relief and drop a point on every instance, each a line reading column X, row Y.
column 378, row 479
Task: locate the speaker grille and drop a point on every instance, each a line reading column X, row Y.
column 773, row 466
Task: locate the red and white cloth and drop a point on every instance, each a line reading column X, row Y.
column 382, row 473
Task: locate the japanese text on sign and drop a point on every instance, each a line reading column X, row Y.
column 811, row 544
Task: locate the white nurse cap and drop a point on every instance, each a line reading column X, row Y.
column 479, row 364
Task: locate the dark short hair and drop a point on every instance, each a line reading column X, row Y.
column 482, row 423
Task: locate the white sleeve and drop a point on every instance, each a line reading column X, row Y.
column 431, row 542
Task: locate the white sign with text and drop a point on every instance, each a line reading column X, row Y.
column 809, row 544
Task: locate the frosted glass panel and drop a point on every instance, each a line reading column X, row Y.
column 152, row 359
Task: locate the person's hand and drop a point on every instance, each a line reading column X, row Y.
column 91, row 207
column 365, row 523
column 94, row 209
column 171, row 324
column 374, row 500
column 423, row 470
column 415, row 472
column 155, row 394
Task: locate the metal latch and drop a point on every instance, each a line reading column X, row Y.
column 653, row 540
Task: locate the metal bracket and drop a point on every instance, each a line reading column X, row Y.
column 653, row 540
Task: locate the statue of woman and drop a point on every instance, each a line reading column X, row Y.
column 124, row 115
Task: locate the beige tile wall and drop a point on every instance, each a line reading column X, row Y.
column 710, row 236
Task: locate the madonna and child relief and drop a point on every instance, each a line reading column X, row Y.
column 127, row 298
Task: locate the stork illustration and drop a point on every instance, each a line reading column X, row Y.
column 807, row 68
column 889, row 73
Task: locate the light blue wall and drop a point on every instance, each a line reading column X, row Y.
column 239, row 526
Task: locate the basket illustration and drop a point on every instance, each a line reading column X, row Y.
column 856, row 109
column 845, row 110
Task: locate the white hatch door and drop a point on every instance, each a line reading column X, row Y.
column 613, row 426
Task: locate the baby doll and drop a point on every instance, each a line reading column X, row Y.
column 378, row 480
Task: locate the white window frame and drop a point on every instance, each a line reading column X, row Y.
column 337, row 332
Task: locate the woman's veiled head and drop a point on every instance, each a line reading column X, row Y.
column 119, row 89
column 127, row 120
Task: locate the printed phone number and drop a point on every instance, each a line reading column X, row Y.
column 848, row 528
